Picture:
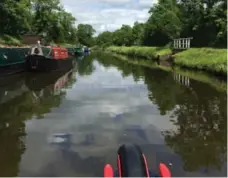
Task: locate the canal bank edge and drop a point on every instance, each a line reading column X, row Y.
column 207, row 59
column 201, row 76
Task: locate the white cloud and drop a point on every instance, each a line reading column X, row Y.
column 114, row 2
column 108, row 14
column 147, row 3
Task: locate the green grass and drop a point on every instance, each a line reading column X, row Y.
column 9, row 40
column 95, row 48
column 67, row 45
column 138, row 51
column 208, row 59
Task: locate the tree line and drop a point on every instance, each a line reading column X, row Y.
column 42, row 17
column 204, row 20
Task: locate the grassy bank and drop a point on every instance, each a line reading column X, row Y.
column 6, row 40
column 208, row 59
column 196, row 75
column 137, row 51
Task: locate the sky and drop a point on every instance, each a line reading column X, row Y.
column 108, row 14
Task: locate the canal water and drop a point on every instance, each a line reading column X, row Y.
column 72, row 123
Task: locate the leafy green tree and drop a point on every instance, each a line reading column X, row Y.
column 163, row 24
column 15, row 17
column 105, row 39
column 137, row 33
column 44, row 14
column 205, row 19
column 123, row 36
column 44, row 17
column 85, row 34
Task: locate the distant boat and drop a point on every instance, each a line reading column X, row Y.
column 71, row 51
column 79, row 51
column 45, row 59
column 86, row 49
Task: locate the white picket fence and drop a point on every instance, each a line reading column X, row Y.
column 182, row 43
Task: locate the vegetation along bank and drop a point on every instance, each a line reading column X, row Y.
column 208, row 59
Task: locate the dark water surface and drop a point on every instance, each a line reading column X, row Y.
column 71, row 124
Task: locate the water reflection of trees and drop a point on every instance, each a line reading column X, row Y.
column 198, row 111
column 85, row 65
column 125, row 68
column 201, row 128
column 12, row 134
column 13, row 114
column 164, row 91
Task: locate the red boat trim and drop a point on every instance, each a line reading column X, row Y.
column 59, row 53
column 119, row 166
column 164, row 170
column 146, row 166
column 108, row 171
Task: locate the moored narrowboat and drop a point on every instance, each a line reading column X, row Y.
column 79, row 51
column 12, row 60
column 71, row 51
column 46, row 59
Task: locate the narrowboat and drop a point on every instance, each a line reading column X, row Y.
column 47, row 59
column 71, row 51
column 86, row 49
column 12, row 60
column 79, row 51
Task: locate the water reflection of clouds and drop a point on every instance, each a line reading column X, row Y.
column 99, row 115
column 104, row 78
column 98, row 120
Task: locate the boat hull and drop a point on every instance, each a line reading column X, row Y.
column 12, row 69
column 71, row 52
column 78, row 51
column 12, row 60
column 45, row 64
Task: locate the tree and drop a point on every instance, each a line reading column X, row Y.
column 15, row 17
column 123, row 36
column 163, row 24
column 204, row 18
column 85, row 34
column 137, row 33
column 37, row 16
column 105, row 39
column 51, row 19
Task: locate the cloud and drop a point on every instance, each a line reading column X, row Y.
column 146, row 3
column 108, row 14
